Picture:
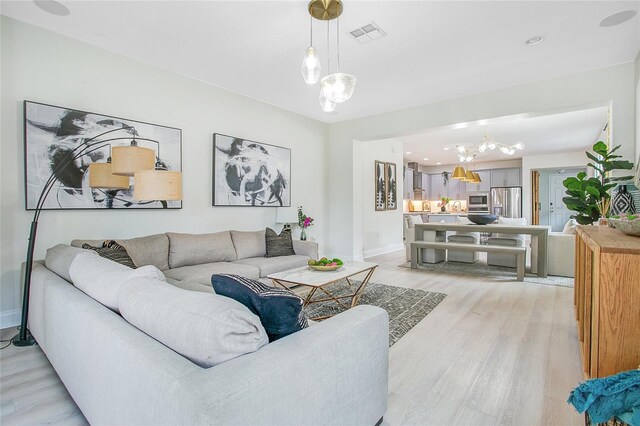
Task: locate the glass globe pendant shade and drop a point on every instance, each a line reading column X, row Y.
column 311, row 66
column 325, row 103
column 338, row 87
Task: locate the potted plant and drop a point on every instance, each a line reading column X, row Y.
column 443, row 203
column 589, row 197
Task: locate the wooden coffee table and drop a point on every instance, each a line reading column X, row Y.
column 318, row 280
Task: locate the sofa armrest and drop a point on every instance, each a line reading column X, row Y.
column 306, row 248
column 334, row 372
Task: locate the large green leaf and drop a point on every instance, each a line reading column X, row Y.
column 601, row 148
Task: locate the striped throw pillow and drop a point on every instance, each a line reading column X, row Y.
column 114, row 252
column 280, row 310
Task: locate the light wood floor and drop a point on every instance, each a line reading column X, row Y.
column 490, row 353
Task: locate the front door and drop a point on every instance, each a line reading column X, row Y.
column 558, row 212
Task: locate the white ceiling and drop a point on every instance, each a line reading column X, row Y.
column 547, row 134
column 434, row 50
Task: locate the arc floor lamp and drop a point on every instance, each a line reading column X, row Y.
column 150, row 183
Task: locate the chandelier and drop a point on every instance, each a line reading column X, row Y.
column 466, row 155
column 337, row 87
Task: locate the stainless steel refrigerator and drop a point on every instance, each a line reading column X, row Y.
column 506, row 202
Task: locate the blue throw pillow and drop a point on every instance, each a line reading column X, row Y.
column 279, row 310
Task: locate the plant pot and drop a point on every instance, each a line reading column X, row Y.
column 443, row 209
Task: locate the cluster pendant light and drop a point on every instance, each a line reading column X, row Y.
column 337, row 87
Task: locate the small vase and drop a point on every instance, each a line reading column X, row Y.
column 603, row 221
column 443, row 209
column 303, row 235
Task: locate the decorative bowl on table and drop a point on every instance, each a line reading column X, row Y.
column 482, row 219
column 325, row 264
column 630, row 225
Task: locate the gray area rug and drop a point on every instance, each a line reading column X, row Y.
column 406, row 306
column 494, row 273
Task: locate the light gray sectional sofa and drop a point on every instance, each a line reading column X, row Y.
column 334, row 372
column 189, row 260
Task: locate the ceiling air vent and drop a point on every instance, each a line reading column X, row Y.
column 368, row 32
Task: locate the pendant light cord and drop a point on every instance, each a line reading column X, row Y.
column 338, row 43
column 328, row 51
column 311, row 29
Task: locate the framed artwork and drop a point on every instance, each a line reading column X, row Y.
column 391, row 186
column 380, row 186
column 51, row 132
column 249, row 173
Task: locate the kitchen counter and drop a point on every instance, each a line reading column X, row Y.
column 438, row 213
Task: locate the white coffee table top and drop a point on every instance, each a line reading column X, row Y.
column 309, row 277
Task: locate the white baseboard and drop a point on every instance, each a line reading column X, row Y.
column 383, row 250
column 9, row 318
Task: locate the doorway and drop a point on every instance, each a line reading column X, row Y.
column 549, row 191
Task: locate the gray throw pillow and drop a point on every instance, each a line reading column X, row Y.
column 279, row 245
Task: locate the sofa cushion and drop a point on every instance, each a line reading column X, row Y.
column 280, row 310
column 202, row 273
column 570, row 227
column 205, row 328
column 279, row 245
column 149, row 250
column 512, row 221
column 271, row 265
column 112, row 251
column 195, row 249
column 191, row 285
column 59, row 258
column 101, row 278
column 249, row 244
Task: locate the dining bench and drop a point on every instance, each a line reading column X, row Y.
column 418, row 246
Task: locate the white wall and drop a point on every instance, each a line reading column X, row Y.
column 485, row 165
column 381, row 231
column 42, row 66
column 546, row 161
column 637, row 75
column 614, row 85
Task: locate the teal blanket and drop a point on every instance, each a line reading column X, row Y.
column 604, row 398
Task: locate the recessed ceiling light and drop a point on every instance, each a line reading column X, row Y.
column 534, row 40
column 446, row 148
column 617, row 18
column 425, row 159
column 408, row 153
column 53, row 7
column 438, row 164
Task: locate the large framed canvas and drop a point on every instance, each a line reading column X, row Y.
column 51, row 132
column 249, row 173
column 391, row 186
column 380, row 186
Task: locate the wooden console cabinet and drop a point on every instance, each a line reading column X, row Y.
column 607, row 300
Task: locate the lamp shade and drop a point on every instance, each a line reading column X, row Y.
column 459, row 173
column 469, row 176
column 476, row 178
column 126, row 160
column 101, row 177
column 157, row 185
column 338, row 87
column 286, row 215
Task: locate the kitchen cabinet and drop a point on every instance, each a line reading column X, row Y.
column 437, row 188
column 457, row 189
column 606, row 294
column 408, row 184
column 446, row 218
column 484, row 186
column 506, row 177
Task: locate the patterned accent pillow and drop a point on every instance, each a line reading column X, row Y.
column 279, row 245
column 279, row 310
column 114, row 252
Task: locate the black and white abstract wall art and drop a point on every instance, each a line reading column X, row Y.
column 380, row 186
column 251, row 174
column 51, row 132
column 391, row 186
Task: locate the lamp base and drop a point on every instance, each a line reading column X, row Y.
column 29, row 340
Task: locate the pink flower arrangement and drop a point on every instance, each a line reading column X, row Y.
column 304, row 221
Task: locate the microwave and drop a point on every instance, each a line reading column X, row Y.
column 478, row 203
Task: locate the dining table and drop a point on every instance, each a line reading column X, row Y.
column 539, row 237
